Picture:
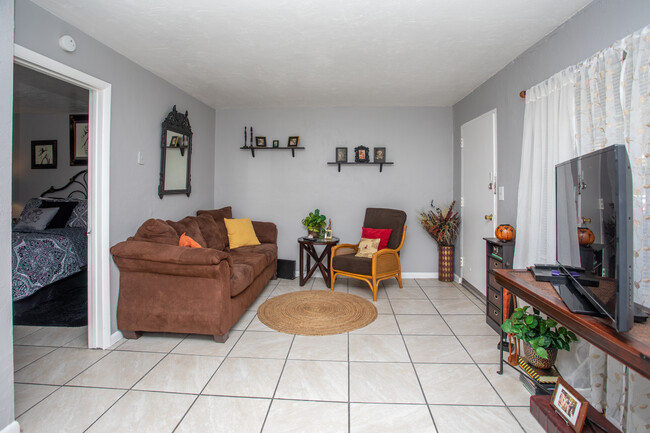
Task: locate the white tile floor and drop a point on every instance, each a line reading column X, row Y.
column 427, row 364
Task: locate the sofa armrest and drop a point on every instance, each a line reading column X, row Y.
column 168, row 259
column 266, row 232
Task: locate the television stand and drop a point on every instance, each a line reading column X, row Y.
column 632, row 348
column 575, row 301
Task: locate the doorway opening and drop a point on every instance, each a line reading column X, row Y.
column 98, row 258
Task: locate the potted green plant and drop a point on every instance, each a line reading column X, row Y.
column 443, row 226
column 315, row 223
column 542, row 338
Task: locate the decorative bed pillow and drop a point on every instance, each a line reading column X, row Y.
column 240, row 232
column 186, row 241
column 382, row 234
column 79, row 217
column 64, row 210
column 35, row 219
column 367, row 247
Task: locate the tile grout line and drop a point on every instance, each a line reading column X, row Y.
column 277, row 385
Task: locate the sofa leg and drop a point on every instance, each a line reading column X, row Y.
column 131, row 335
column 220, row 338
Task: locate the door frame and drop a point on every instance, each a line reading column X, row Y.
column 99, row 116
column 495, row 206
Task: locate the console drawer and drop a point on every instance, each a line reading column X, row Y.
column 494, row 296
column 494, row 313
column 495, row 264
column 492, row 281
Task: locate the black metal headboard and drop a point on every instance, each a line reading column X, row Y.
column 78, row 183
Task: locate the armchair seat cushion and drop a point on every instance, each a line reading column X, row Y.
column 351, row 263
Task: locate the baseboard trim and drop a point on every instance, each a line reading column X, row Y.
column 115, row 337
column 474, row 291
column 14, row 427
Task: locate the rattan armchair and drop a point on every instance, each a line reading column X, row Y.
column 384, row 264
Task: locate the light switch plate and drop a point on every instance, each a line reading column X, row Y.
column 501, row 193
column 140, row 158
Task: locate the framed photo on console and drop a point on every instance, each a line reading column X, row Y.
column 570, row 405
column 341, row 154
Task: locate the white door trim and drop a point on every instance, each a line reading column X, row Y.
column 492, row 113
column 99, row 136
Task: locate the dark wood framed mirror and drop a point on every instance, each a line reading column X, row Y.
column 175, row 161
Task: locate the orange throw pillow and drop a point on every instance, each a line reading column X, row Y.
column 187, row 241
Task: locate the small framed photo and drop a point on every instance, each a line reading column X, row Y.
column 293, row 141
column 341, row 154
column 276, row 143
column 328, row 235
column 361, row 154
column 44, row 154
column 260, row 141
column 570, row 405
column 174, row 141
column 78, row 139
column 380, row 154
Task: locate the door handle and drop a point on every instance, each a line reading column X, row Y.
column 488, row 217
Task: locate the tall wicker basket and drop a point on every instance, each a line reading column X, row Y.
column 446, row 263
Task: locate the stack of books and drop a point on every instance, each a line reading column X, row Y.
column 537, row 381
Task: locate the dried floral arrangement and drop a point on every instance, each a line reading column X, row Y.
column 442, row 224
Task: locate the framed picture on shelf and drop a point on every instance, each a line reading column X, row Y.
column 260, row 141
column 380, row 154
column 293, row 141
column 570, row 405
column 44, row 154
column 276, row 143
column 78, row 139
column 341, row 154
column 361, row 154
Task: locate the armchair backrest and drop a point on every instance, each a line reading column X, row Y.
column 379, row 218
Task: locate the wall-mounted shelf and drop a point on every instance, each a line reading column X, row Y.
column 253, row 149
column 380, row 164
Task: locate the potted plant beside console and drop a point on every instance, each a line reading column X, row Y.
column 542, row 338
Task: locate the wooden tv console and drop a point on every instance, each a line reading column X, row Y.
column 632, row 348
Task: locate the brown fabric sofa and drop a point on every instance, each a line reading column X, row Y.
column 167, row 288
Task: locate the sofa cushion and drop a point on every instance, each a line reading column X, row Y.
column 241, row 277
column 190, row 227
column 352, row 264
column 214, row 233
column 269, row 251
column 158, row 231
column 240, row 232
column 382, row 234
column 217, row 214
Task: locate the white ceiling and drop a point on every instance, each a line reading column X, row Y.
column 295, row 53
column 39, row 93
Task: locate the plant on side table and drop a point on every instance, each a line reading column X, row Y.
column 315, row 223
column 542, row 337
column 442, row 226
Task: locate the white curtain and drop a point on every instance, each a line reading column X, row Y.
column 549, row 138
column 608, row 102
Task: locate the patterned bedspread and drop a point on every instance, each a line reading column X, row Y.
column 40, row 258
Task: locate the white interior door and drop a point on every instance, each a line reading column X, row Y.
column 478, row 192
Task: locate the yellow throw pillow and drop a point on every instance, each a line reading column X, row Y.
column 240, row 232
column 367, row 247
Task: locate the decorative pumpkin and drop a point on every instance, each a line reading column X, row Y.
column 585, row 236
column 505, row 232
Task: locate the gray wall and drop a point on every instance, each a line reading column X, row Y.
column 273, row 186
column 591, row 30
column 6, row 100
column 140, row 102
column 28, row 182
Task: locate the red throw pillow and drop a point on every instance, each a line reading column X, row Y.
column 186, row 241
column 382, row 234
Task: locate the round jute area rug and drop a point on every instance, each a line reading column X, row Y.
column 316, row 312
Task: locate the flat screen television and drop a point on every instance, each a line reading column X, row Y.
column 594, row 195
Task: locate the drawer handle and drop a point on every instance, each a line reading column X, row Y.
column 496, row 296
column 496, row 313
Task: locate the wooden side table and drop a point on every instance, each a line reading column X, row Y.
column 307, row 246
